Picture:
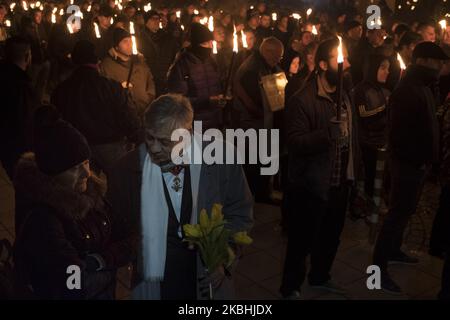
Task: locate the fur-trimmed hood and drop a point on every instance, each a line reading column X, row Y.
column 37, row 187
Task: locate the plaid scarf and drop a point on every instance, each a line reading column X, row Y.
column 341, row 147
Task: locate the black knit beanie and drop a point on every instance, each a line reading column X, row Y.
column 57, row 145
column 84, row 53
column 200, row 34
column 118, row 35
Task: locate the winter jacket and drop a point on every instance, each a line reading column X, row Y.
column 57, row 228
column 311, row 148
column 142, row 86
column 96, row 106
column 247, row 91
column 18, row 103
column 371, row 99
column 445, row 170
column 159, row 50
column 413, row 133
column 198, row 80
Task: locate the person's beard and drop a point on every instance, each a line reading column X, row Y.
column 332, row 78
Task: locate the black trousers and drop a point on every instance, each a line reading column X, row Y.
column 406, row 187
column 440, row 238
column 180, row 274
column 315, row 228
column 369, row 156
column 444, row 294
column 259, row 184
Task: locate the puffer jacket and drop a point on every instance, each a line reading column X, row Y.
column 198, row 80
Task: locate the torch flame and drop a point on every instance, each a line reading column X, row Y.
column 178, row 13
column 61, row 12
column 12, row 6
column 314, row 31
column 182, row 27
column 244, row 39
column 235, row 41
column 211, row 24
column 400, row 60
column 308, row 12
column 70, row 28
column 8, row 23
column 214, row 47
column 340, row 58
column 25, row 5
column 89, row 8
column 204, row 20
column 53, row 18
column 296, row 16
column 97, row 31
column 133, row 38
column 443, row 24
column 196, row 12
column 274, row 16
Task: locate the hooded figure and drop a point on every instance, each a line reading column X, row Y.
column 371, row 98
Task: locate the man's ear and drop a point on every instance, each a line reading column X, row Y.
column 323, row 65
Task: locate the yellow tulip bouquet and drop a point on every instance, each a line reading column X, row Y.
column 213, row 239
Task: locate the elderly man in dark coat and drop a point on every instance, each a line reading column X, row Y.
column 251, row 110
column 154, row 198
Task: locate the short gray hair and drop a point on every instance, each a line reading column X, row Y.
column 167, row 113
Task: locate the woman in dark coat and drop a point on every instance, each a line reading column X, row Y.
column 62, row 221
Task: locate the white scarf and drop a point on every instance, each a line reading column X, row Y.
column 154, row 217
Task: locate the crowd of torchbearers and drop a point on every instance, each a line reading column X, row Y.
column 91, row 92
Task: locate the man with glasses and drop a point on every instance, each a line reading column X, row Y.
column 153, row 198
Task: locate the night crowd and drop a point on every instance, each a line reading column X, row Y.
column 87, row 114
